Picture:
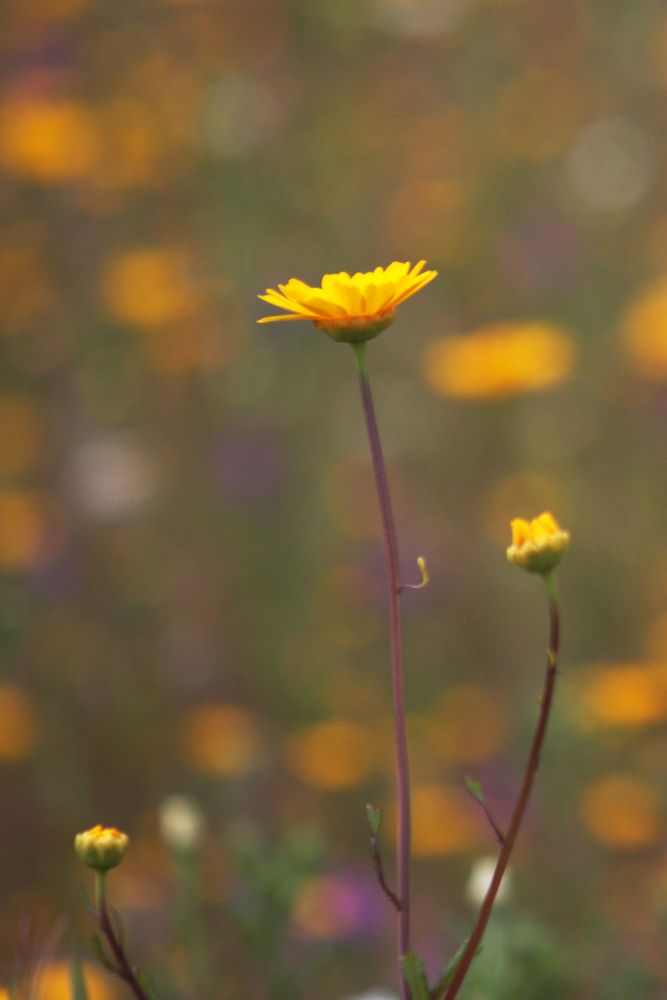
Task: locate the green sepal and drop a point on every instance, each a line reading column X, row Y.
column 413, row 970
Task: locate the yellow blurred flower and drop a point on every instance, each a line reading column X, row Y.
column 623, row 695
column 350, row 308
column 55, row 982
column 222, row 739
column 499, row 360
column 445, row 821
column 537, row 545
column 333, row 755
column 644, row 331
column 622, row 812
column 148, row 286
column 52, row 141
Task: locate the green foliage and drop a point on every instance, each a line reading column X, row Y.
column 413, row 970
column 448, row 972
column 519, row 960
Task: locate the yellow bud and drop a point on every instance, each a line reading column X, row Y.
column 537, row 545
column 102, row 847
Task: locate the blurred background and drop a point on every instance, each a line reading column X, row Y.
column 192, row 603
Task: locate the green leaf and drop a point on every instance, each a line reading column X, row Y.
column 102, row 956
column 79, row 991
column 146, row 985
column 413, row 970
column 450, row 968
column 475, row 789
column 374, row 818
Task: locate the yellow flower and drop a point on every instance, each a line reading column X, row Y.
column 102, row 847
column 352, row 308
column 537, row 545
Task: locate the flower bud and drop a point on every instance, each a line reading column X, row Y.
column 537, row 545
column 102, row 847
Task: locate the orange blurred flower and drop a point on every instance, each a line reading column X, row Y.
column 22, row 526
column 623, row 695
column 148, row 286
column 622, row 812
column 333, row 755
column 52, row 141
column 222, row 739
column 19, row 725
column 445, row 821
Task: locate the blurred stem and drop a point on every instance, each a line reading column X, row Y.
column 123, row 968
column 397, row 671
column 518, row 813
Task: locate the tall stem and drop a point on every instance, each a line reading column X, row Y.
column 397, row 673
column 524, row 794
column 123, row 967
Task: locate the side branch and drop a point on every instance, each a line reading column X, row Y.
column 519, row 810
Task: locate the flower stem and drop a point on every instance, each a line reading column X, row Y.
column 518, row 813
column 397, row 672
column 123, row 968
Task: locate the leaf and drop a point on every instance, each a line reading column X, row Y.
column 450, row 968
column 146, row 985
column 102, row 956
column 475, row 789
column 413, row 970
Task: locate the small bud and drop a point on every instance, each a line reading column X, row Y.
column 537, row 545
column 374, row 818
column 102, row 847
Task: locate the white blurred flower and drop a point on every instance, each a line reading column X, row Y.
column 181, row 823
column 420, row 18
column 111, row 478
column 611, row 165
column 240, row 113
column 374, row 995
column 481, row 874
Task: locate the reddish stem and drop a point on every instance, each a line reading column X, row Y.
column 397, row 671
column 518, row 813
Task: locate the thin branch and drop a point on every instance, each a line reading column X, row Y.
column 522, row 798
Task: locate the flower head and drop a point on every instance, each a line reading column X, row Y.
column 102, row 847
column 537, row 545
column 352, row 308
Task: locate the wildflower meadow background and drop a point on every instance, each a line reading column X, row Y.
column 192, row 599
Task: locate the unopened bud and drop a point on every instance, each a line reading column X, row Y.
column 537, row 545
column 102, row 847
